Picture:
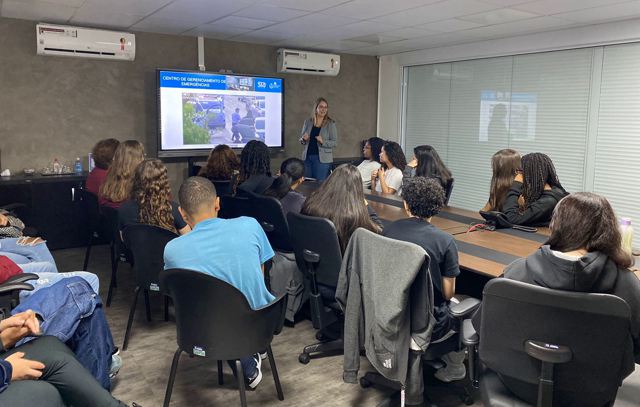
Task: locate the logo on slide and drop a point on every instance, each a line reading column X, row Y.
column 261, row 84
column 274, row 85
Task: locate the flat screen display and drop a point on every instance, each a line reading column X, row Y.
column 200, row 110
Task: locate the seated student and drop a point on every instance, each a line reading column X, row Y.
column 340, row 199
column 427, row 163
column 223, row 165
column 423, row 198
column 32, row 255
column 583, row 254
column 10, row 225
column 255, row 168
column 505, row 165
column 388, row 179
column 43, row 372
column 233, row 250
column 283, row 187
column 371, row 152
column 150, row 201
column 102, row 154
column 117, row 185
column 540, row 189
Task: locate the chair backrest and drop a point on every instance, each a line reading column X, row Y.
column 234, row 207
column 89, row 205
column 147, row 243
column 111, row 224
column 214, row 319
column 447, row 191
column 596, row 327
column 269, row 213
column 223, row 187
column 319, row 236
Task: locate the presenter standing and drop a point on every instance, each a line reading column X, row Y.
column 319, row 136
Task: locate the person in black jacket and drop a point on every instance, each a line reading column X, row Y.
column 534, row 192
column 583, row 254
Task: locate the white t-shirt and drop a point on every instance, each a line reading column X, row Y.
column 366, row 168
column 393, row 178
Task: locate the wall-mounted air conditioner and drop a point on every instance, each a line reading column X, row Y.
column 63, row 40
column 307, row 62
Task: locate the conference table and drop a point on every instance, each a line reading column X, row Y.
column 482, row 252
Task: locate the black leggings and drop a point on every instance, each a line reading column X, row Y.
column 63, row 382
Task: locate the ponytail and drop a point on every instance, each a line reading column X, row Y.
column 291, row 170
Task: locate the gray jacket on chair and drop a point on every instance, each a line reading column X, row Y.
column 385, row 291
column 329, row 134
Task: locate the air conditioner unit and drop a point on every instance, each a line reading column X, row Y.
column 63, row 40
column 307, row 62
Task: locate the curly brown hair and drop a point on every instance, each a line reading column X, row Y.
column 151, row 192
column 221, row 165
column 103, row 152
column 117, row 185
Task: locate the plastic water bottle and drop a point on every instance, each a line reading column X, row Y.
column 78, row 166
column 627, row 234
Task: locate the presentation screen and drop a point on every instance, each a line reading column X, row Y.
column 200, row 110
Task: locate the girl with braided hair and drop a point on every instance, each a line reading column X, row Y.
column 540, row 189
column 150, row 201
column 255, row 168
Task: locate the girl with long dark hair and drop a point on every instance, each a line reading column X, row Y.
column 428, row 164
column 371, row 152
column 540, row 189
column 388, row 179
column 283, row 187
column 505, row 165
column 255, row 168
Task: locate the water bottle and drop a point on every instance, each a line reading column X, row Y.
column 78, row 166
column 627, row 234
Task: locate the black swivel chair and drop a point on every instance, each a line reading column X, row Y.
column 550, row 347
column 111, row 229
column 234, row 207
column 224, row 187
column 10, row 292
column 214, row 320
column 268, row 212
column 317, row 250
column 448, row 189
column 89, row 205
column 147, row 244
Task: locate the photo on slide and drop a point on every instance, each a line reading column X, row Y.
column 209, row 118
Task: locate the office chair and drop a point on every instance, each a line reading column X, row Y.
column 544, row 347
column 268, row 212
column 448, row 189
column 89, row 205
column 10, row 292
column 317, row 251
column 224, row 187
column 112, row 232
column 147, row 244
column 368, row 245
column 232, row 330
column 234, row 207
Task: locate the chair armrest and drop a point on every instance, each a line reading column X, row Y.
column 12, row 206
column 465, row 307
column 468, row 334
column 20, row 278
column 11, row 287
column 547, row 352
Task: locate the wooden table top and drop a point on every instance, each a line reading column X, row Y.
column 480, row 251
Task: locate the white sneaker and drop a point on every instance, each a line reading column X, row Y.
column 255, row 380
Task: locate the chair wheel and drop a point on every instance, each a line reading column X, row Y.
column 364, row 383
column 304, row 358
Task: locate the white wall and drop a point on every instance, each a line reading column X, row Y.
column 391, row 66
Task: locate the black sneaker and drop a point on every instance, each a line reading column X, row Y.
column 256, row 378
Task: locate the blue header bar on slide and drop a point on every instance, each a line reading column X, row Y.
column 193, row 80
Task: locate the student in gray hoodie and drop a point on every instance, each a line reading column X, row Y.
column 583, row 254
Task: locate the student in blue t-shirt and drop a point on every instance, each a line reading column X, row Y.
column 233, row 250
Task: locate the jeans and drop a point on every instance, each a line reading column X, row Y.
column 26, row 254
column 313, row 168
column 47, row 278
column 63, row 379
column 249, row 366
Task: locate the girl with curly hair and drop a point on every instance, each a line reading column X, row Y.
column 150, row 202
column 388, row 179
column 117, row 186
column 223, row 168
column 255, row 168
column 540, row 189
